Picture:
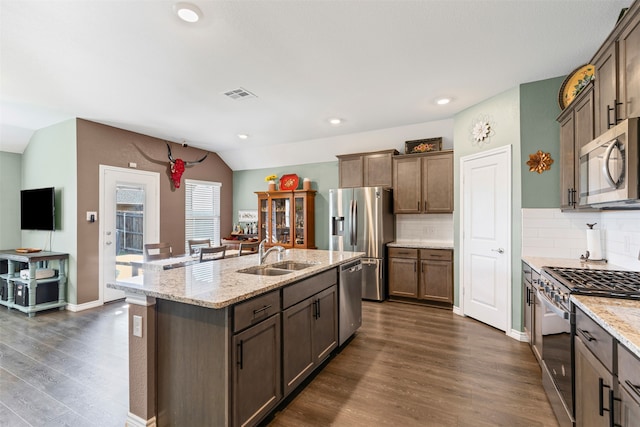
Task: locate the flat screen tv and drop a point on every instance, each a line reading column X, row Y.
column 37, row 209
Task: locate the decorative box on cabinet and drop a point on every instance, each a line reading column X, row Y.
column 287, row 218
column 32, row 295
column 423, row 183
column 366, row 169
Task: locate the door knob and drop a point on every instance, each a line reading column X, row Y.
column 499, row 250
column 108, row 243
column 108, row 233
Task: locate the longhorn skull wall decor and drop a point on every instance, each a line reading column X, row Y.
column 178, row 166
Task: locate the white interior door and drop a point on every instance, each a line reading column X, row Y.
column 486, row 237
column 130, row 217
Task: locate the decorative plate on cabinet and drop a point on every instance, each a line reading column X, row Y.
column 289, row 182
column 574, row 83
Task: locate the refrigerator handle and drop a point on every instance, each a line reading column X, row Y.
column 354, row 221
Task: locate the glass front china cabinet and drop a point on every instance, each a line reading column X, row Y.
column 286, row 218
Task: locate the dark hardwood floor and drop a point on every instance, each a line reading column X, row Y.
column 408, row 365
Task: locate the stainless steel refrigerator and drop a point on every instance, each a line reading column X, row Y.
column 361, row 220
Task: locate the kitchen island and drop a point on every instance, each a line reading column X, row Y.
column 210, row 345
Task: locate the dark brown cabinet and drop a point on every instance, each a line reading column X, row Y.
column 617, row 80
column 425, row 274
column 423, row 183
column 594, row 373
column 257, row 387
column 309, row 326
column 403, row 272
column 532, row 316
column 436, row 275
column 576, row 130
column 366, row 169
column 287, row 218
column 628, row 388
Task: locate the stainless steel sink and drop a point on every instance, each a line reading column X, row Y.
column 292, row 265
column 263, row 270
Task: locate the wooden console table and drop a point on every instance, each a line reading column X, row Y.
column 34, row 260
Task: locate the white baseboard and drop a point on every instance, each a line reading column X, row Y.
column 85, row 306
column 517, row 335
column 457, row 310
column 135, row 421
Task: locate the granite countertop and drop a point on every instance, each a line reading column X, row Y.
column 538, row 262
column 427, row 244
column 218, row 284
column 620, row 317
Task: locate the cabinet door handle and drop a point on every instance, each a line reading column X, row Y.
column 318, row 306
column 586, row 335
column 609, row 110
column 528, row 299
column 315, row 309
column 425, row 205
column 601, row 387
column 240, row 353
column 418, row 204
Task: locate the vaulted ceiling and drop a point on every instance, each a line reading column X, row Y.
column 376, row 64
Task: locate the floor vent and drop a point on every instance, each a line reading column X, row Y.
column 239, row 94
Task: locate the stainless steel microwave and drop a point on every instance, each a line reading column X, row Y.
column 609, row 168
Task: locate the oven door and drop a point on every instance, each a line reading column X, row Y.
column 557, row 368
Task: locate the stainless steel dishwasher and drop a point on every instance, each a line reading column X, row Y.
column 350, row 294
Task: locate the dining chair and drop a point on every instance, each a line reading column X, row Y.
column 247, row 248
column 198, row 243
column 212, row 253
column 155, row 251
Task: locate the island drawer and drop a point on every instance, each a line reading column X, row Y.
column 305, row 288
column 403, row 253
column 595, row 338
column 255, row 310
column 436, row 254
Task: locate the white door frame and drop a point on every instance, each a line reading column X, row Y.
column 508, row 249
column 149, row 235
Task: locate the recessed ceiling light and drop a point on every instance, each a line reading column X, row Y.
column 243, row 136
column 443, row 101
column 188, row 12
column 335, row 121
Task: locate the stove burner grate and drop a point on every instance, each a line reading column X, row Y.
column 606, row 283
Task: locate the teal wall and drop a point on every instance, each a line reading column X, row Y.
column 503, row 111
column 540, row 131
column 10, row 186
column 323, row 176
column 50, row 161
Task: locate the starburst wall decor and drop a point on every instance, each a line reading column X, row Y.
column 481, row 130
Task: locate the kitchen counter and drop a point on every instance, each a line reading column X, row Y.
column 620, row 317
column 218, row 284
column 427, row 244
column 538, row 262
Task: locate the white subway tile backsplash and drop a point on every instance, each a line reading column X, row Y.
column 420, row 228
column 556, row 234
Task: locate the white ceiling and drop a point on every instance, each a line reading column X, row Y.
column 376, row 64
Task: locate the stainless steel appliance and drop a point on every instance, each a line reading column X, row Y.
column 350, row 294
column 556, row 286
column 361, row 220
column 609, row 168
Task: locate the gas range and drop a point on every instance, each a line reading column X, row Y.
column 559, row 282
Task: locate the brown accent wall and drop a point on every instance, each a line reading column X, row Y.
column 100, row 144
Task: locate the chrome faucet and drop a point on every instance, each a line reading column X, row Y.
column 262, row 254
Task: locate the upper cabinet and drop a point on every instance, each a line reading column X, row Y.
column 366, row 169
column 287, row 218
column 617, row 75
column 423, row 183
column 576, row 130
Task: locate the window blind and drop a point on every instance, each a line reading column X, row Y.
column 202, row 211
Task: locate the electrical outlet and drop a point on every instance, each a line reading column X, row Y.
column 137, row 326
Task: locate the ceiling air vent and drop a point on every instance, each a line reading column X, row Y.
column 239, row 94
